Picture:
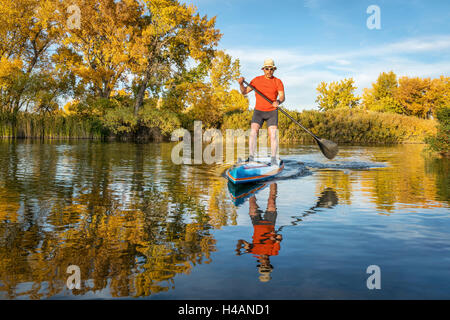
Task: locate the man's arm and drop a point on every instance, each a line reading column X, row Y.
column 280, row 99
column 244, row 90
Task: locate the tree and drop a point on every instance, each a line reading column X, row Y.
column 177, row 87
column 438, row 95
column 411, row 96
column 171, row 34
column 440, row 143
column 100, row 51
column 209, row 102
column 381, row 96
column 337, row 95
column 27, row 31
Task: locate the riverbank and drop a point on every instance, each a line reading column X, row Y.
column 344, row 126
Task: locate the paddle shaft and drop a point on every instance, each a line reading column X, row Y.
column 282, row 110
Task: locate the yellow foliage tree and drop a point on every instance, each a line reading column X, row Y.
column 381, row 96
column 337, row 95
column 438, row 94
column 27, row 30
column 171, row 34
column 208, row 102
column 411, row 95
column 98, row 50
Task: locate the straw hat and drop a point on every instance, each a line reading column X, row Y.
column 265, row 272
column 269, row 63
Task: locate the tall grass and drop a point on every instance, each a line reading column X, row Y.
column 341, row 125
column 56, row 126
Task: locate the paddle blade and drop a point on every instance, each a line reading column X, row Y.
column 328, row 148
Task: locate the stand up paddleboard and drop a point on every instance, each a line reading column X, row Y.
column 254, row 171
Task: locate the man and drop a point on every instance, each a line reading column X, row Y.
column 273, row 89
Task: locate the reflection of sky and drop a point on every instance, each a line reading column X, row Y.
column 25, row 160
column 65, row 165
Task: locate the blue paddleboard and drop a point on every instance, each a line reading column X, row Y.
column 258, row 170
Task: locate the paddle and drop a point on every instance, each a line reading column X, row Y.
column 328, row 148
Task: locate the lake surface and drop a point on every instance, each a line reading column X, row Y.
column 139, row 226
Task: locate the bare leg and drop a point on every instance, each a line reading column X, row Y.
column 252, row 141
column 271, row 203
column 273, row 140
column 253, row 206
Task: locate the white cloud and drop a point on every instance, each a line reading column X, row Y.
column 311, row 4
column 419, row 45
column 301, row 71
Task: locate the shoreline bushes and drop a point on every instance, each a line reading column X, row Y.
column 345, row 126
column 440, row 143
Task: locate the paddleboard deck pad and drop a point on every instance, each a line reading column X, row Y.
column 254, row 171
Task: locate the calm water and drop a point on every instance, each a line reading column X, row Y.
column 139, row 226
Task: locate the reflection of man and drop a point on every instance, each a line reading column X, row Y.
column 266, row 242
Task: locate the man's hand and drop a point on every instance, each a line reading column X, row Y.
column 276, row 103
column 244, row 90
column 275, row 237
column 281, row 98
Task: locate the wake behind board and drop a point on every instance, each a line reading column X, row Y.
column 258, row 170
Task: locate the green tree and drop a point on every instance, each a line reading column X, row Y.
column 440, row 143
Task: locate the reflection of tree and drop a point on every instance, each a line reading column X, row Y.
column 185, row 186
column 132, row 220
column 135, row 251
column 131, row 247
column 338, row 181
column 440, row 168
column 408, row 179
column 219, row 208
column 405, row 181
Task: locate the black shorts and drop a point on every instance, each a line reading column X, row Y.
column 269, row 218
column 270, row 116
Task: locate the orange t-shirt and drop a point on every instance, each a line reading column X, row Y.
column 269, row 88
column 262, row 244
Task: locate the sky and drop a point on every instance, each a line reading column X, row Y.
column 329, row 40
